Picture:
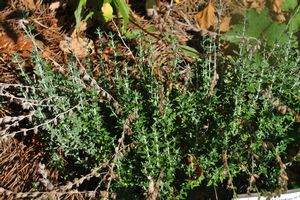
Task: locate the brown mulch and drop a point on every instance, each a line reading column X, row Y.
column 19, row 165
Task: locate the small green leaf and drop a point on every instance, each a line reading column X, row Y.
column 261, row 26
column 133, row 34
column 274, row 34
column 189, row 51
column 255, row 26
column 257, row 22
column 90, row 15
column 79, row 11
column 294, row 23
column 124, row 10
column 289, row 5
column 151, row 29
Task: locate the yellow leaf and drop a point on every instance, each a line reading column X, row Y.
column 107, row 11
column 206, row 18
column 224, row 26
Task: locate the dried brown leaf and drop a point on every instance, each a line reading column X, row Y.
column 276, row 5
column 280, row 17
column 178, row 1
column 258, row 5
column 225, row 24
column 32, row 4
column 81, row 47
column 54, row 6
column 206, row 18
column 8, row 44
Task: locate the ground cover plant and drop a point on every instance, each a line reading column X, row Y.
column 170, row 126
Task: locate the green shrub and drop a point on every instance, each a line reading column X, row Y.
column 138, row 123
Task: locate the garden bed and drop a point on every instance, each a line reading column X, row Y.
column 199, row 101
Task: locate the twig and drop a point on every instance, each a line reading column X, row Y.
column 93, row 83
column 39, row 23
column 77, row 182
column 214, row 81
column 44, row 177
column 28, row 102
column 216, row 193
column 121, row 147
column 9, row 119
column 227, row 171
column 153, row 188
column 7, row 85
column 120, row 36
column 144, row 30
column 3, row 133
